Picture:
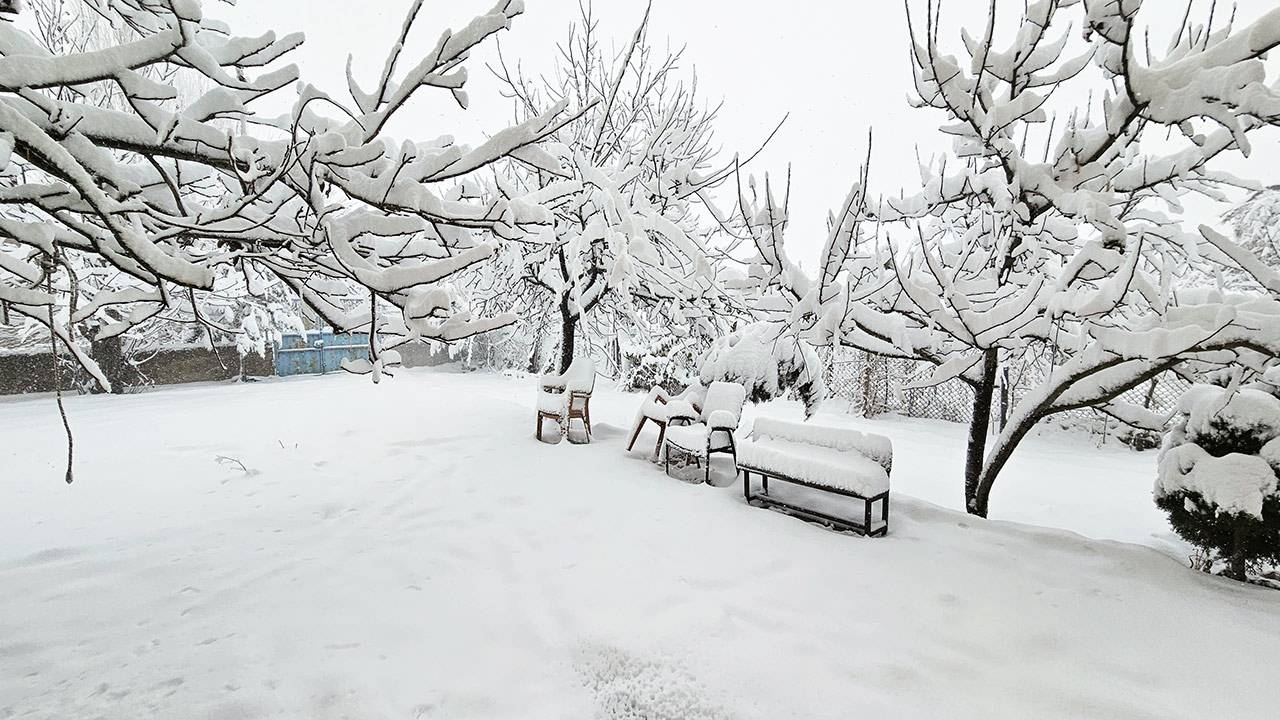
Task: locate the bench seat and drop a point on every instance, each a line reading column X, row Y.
column 815, row 465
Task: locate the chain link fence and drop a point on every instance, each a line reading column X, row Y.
column 873, row 385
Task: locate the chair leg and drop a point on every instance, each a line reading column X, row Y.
column 636, row 434
column 662, row 435
column 537, row 430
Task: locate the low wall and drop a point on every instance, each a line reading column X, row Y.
column 33, row 373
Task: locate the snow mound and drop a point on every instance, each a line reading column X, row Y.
column 630, row 688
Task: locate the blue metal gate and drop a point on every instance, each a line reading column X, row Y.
column 319, row 352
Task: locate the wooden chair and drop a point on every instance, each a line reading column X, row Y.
column 658, row 407
column 711, row 431
column 567, row 396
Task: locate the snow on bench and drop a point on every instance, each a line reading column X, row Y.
column 835, row 460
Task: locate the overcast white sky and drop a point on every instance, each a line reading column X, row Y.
column 839, row 68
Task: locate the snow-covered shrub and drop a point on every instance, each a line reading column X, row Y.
column 669, row 363
column 1138, row 438
column 1219, row 474
column 769, row 362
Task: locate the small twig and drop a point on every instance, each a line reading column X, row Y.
column 224, row 460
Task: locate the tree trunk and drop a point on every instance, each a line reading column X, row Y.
column 568, row 324
column 1236, row 565
column 978, row 425
column 109, row 354
column 535, row 355
column 1004, row 399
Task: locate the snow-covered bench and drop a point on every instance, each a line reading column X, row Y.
column 838, row 461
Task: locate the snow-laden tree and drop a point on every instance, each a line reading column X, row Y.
column 1053, row 232
column 774, row 356
column 244, row 308
column 169, row 193
column 628, row 235
column 1256, row 224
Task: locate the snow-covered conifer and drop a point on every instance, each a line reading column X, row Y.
column 1219, row 476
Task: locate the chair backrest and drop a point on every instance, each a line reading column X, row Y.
column 695, row 394
column 581, row 376
column 724, row 396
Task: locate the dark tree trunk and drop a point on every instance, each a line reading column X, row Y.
column 109, row 354
column 535, row 356
column 977, row 448
column 1236, row 564
column 1004, row 399
column 568, row 326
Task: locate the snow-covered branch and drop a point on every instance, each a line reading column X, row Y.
column 172, row 183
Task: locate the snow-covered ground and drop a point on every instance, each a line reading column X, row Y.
column 408, row 550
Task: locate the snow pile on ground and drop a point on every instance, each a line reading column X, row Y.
column 629, row 688
column 408, row 550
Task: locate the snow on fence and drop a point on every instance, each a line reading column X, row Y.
column 871, row 385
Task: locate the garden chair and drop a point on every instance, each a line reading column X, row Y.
column 658, row 407
column 567, row 396
column 711, row 430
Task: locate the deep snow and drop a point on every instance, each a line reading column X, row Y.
column 407, row 550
